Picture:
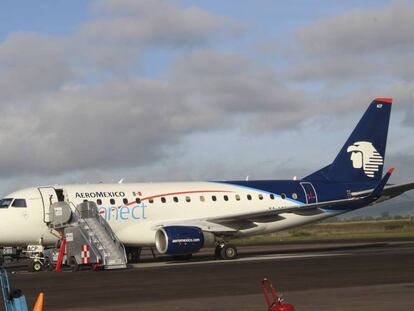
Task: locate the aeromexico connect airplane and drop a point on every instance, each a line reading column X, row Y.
column 182, row 217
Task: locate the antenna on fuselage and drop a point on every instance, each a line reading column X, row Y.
column 121, row 181
column 295, row 177
column 247, row 178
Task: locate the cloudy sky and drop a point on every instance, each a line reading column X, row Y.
column 196, row 90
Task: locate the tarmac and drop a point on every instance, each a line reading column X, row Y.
column 365, row 275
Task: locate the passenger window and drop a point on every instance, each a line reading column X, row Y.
column 19, row 203
column 99, row 202
column 283, row 195
column 188, row 199
column 151, row 200
column 163, row 200
column 5, row 203
column 237, row 197
column 226, row 198
column 202, row 198
column 214, row 198
column 272, row 196
column 175, row 199
column 138, row 200
column 249, row 197
column 125, row 200
column 112, row 201
column 294, row 196
column 260, row 196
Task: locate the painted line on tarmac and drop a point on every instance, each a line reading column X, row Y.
column 242, row 259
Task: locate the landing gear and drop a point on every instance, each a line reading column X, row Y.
column 74, row 264
column 225, row 251
column 217, row 251
column 133, row 254
column 35, row 266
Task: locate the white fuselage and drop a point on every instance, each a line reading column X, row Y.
column 134, row 209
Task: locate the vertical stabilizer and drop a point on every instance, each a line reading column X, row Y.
column 362, row 157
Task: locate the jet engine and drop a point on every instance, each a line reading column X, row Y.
column 182, row 240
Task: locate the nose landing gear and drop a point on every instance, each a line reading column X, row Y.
column 225, row 251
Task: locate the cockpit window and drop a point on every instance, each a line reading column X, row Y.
column 19, row 203
column 5, row 203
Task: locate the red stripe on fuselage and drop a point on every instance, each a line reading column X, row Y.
column 178, row 193
column 171, row 194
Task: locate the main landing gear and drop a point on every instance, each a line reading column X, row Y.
column 225, row 251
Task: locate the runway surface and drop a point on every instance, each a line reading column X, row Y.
column 328, row 276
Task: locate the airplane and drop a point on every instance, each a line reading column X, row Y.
column 180, row 218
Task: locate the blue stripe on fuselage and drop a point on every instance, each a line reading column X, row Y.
column 269, row 187
column 326, row 191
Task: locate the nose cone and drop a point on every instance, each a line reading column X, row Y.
column 15, row 217
column 22, row 223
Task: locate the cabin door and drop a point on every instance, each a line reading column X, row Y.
column 49, row 196
column 310, row 193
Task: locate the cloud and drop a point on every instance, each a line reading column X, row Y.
column 359, row 54
column 62, row 112
column 235, row 86
column 402, row 161
column 385, row 30
column 31, row 64
column 157, row 22
column 120, row 31
column 130, row 123
column 374, row 43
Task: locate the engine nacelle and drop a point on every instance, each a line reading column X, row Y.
column 181, row 240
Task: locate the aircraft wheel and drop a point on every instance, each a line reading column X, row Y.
column 228, row 251
column 37, row 266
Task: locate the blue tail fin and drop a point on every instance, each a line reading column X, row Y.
column 361, row 159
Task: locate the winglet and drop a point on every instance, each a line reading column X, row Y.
column 391, row 170
column 380, row 187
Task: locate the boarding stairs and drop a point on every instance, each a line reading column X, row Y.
column 104, row 239
column 87, row 226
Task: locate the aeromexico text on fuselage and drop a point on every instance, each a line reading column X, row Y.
column 99, row 194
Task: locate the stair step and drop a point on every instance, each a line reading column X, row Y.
column 113, row 267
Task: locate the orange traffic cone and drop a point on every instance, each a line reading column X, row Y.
column 39, row 303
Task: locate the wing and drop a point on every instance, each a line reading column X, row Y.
column 230, row 224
